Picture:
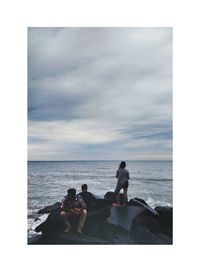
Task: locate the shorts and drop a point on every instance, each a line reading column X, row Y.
column 120, row 186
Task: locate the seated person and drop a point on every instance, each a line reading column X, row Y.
column 87, row 196
column 73, row 204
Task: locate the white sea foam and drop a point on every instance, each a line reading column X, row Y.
column 33, row 223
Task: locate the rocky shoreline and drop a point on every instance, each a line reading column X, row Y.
column 135, row 223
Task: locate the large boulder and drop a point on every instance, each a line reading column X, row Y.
column 140, row 202
column 165, row 219
column 162, row 239
column 72, row 239
column 50, row 208
column 123, row 216
column 54, row 223
column 136, row 202
column 149, row 222
column 111, row 198
column 115, row 234
column 136, row 223
column 148, row 228
column 142, row 235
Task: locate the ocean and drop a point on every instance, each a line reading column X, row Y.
column 48, row 182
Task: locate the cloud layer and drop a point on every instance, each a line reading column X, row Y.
column 100, row 93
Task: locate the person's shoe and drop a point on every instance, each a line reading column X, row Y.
column 79, row 230
column 67, row 229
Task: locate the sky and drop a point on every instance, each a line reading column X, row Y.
column 99, row 93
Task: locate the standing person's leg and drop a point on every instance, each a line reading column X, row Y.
column 125, row 195
column 65, row 217
column 117, row 190
column 82, row 219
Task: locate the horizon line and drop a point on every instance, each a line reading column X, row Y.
column 98, row 160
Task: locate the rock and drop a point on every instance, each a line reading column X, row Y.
column 116, row 235
column 162, row 239
column 51, row 208
column 100, row 203
column 123, row 216
column 165, row 219
column 142, row 235
column 74, row 239
column 34, row 239
column 95, row 219
column 148, row 229
column 136, row 202
column 106, row 224
column 111, row 198
column 149, row 222
column 54, row 224
column 140, row 202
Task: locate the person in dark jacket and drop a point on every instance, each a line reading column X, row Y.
column 87, row 197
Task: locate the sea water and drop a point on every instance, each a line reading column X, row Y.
column 48, row 182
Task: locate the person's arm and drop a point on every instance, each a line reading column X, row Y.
column 128, row 175
column 63, row 202
column 117, row 174
column 82, row 202
column 62, row 206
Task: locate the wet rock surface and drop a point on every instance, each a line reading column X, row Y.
column 135, row 223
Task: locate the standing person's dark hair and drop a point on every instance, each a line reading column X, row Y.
column 122, row 165
column 122, row 182
column 88, row 197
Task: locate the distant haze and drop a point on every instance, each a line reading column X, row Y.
column 99, row 93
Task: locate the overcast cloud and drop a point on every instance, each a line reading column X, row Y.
column 99, row 93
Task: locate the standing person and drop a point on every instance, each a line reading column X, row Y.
column 87, row 197
column 73, row 204
column 122, row 182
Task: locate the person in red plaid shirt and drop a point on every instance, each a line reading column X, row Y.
column 73, row 204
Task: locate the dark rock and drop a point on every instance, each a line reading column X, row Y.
column 140, row 202
column 162, row 239
column 142, row 235
column 50, row 208
column 110, row 197
column 148, row 228
column 53, row 225
column 34, row 239
column 37, row 218
column 100, row 203
column 72, row 239
column 95, row 219
column 165, row 219
column 116, row 235
column 136, row 202
column 106, row 224
column 123, row 216
column 149, row 222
